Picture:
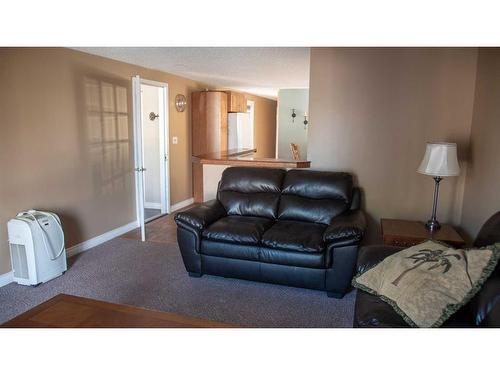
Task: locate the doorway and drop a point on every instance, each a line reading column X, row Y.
column 292, row 124
column 151, row 150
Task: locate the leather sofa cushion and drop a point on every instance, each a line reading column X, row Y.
column 230, row 250
column 295, row 236
column 318, row 184
column 372, row 312
column 321, row 211
column 263, row 254
column 370, row 256
column 294, row 258
column 251, row 191
column 489, row 232
column 256, row 204
column 244, row 230
column 252, row 180
column 315, row 196
column 485, row 306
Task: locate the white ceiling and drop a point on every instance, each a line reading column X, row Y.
column 259, row 71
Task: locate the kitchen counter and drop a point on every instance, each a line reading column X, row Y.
column 244, row 157
column 208, row 168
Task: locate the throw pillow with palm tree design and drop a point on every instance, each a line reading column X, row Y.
column 429, row 282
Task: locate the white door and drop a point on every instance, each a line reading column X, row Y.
column 138, row 153
column 139, row 148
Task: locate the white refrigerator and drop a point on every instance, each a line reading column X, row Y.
column 240, row 131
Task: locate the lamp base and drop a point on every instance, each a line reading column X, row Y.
column 432, row 225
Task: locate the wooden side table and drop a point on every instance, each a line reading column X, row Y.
column 408, row 233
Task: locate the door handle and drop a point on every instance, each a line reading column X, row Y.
column 139, row 169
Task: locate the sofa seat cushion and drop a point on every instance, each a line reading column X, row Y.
column 243, row 230
column 295, row 236
column 230, row 250
column 293, row 258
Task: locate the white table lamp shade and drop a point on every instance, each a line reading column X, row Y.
column 440, row 159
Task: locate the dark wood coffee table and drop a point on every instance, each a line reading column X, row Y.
column 66, row 311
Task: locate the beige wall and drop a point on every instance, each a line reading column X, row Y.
column 264, row 126
column 373, row 109
column 482, row 188
column 66, row 140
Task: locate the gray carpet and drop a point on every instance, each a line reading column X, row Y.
column 152, row 275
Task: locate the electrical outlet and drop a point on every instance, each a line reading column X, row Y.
column 175, row 140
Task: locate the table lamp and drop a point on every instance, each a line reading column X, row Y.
column 440, row 160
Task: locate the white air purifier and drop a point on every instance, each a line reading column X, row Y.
column 36, row 242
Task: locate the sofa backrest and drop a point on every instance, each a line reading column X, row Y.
column 314, row 196
column 251, row 191
column 489, row 232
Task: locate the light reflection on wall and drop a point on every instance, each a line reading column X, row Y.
column 108, row 134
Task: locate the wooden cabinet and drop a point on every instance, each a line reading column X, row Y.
column 236, row 102
column 209, row 122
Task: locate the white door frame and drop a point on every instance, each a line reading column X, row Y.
column 163, row 118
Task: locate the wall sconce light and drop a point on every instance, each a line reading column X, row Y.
column 293, row 115
column 180, row 102
column 305, row 120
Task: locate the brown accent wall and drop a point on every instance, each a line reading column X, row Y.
column 66, row 139
column 372, row 111
column 264, row 126
column 482, row 187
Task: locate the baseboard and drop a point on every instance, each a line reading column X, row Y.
column 154, row 206
column 6, row 278
column 86, row 245
column 180, row 205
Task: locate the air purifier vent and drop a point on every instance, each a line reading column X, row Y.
column 19, row 261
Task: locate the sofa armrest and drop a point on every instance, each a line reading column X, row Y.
column 485, row 306
column 369, row 256
column 346, row 229
column 201, row 216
